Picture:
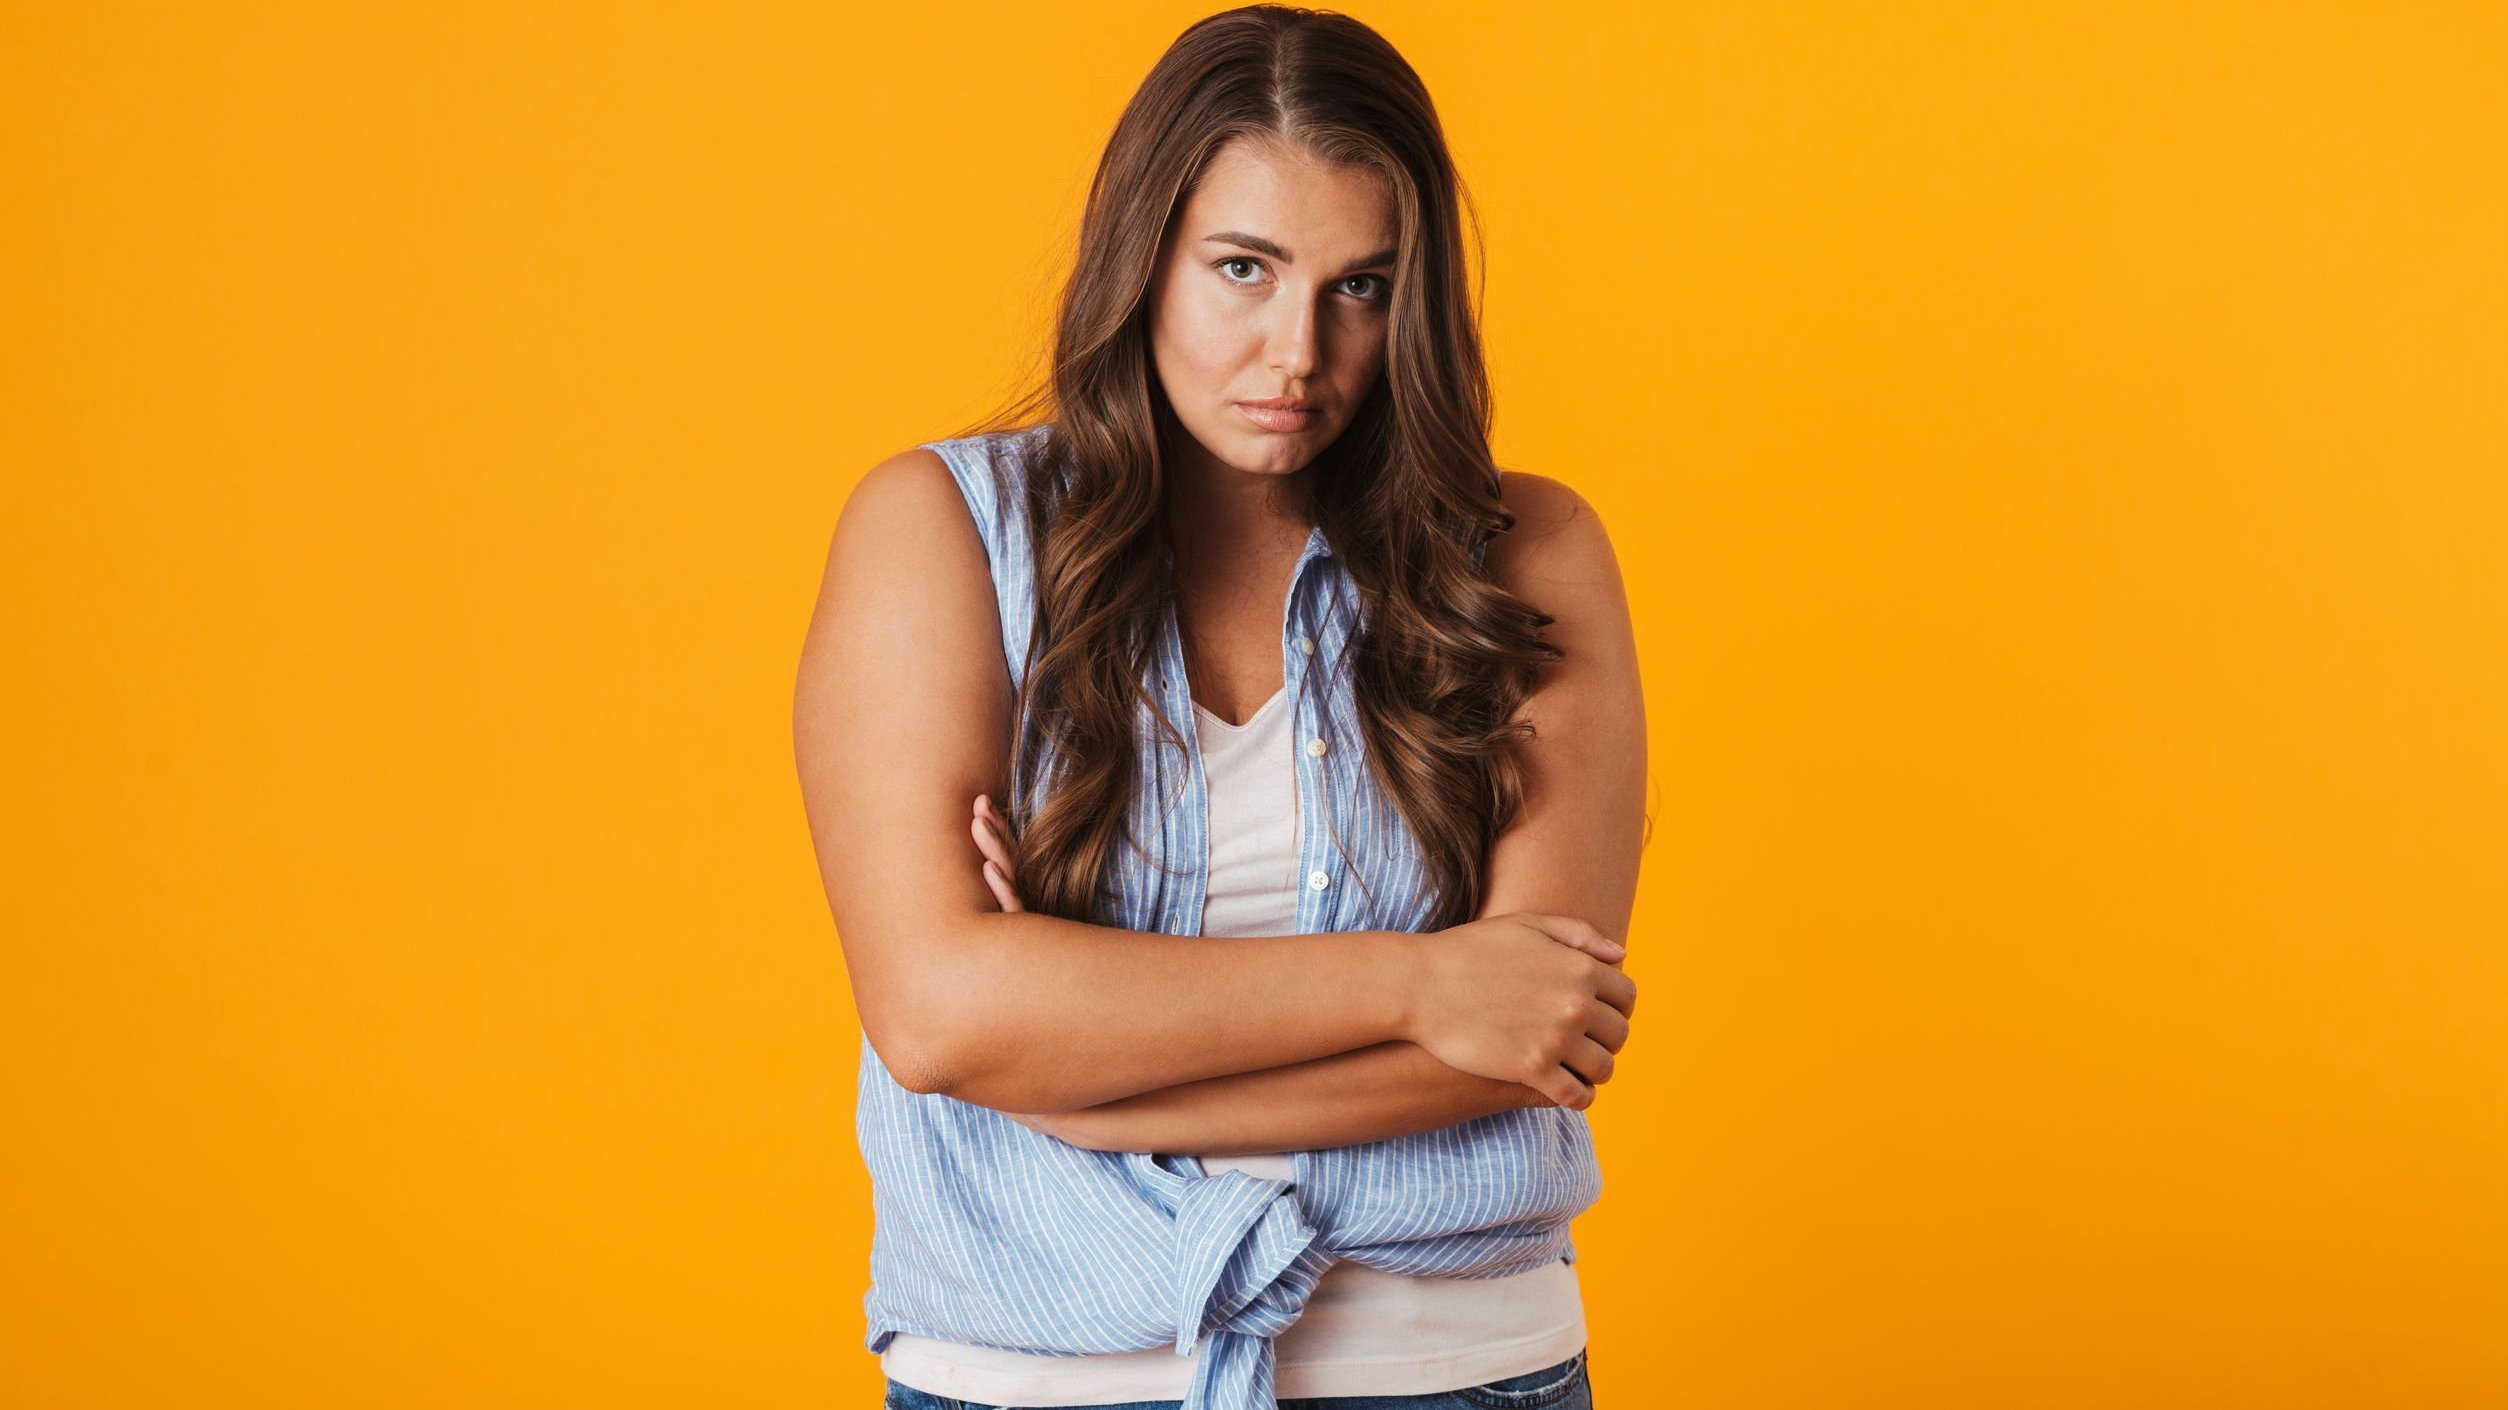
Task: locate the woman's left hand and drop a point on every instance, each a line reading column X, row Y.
column 1001, row 862
column 1072, row 1128
column 1035, row 1121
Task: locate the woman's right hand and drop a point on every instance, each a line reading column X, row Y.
column 1524, row 997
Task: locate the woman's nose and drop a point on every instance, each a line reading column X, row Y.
column 1292, row 351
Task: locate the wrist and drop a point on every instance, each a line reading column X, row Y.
column 1400, row 966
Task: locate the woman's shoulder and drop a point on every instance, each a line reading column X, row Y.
column 991, row 470
column 1555, row 533
column 1539, row 502
column 941, row 522
column 1009, row 447
column 984, row 467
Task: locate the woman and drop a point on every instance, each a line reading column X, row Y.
column 1246, row 1056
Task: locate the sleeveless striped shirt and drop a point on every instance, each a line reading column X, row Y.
column 986, row 1231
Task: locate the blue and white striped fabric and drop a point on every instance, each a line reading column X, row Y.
column 989, row 1232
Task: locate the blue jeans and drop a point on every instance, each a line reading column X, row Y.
column 1560, row 1387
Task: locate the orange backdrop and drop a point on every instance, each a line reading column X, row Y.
column 2059, row 456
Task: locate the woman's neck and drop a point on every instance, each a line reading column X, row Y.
column 1218, row 516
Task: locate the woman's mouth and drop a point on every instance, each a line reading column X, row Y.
column 1279, row 414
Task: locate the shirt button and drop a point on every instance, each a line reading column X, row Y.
column 1307, row 645
column 1316, row 880
column 1316, row 747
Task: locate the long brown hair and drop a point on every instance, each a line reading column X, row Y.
column 1442, row 658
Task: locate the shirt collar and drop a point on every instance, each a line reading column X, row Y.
column 1317, row 546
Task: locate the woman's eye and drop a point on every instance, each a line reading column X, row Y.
column 1370, row 287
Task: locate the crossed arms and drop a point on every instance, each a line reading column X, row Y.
column 1121, row 1040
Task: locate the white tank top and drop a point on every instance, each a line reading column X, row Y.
column 1364, row 1331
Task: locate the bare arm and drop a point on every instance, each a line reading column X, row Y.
column 1348, row 1099
column 901, row 713
column 1572, row 850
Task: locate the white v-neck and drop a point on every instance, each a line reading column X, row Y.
column 1259, row 712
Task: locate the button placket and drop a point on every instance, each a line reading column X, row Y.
column 1182, row 896
column 1311, row 593
column 1310, row 812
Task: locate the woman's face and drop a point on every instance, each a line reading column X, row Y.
column 1274, row 283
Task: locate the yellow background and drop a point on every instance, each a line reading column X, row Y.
column 2059, row 457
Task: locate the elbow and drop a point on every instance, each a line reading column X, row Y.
column 925, row 1049
column 938, row 1038
column 911, row 1059
column 913, row 1042
column 945, row 1068
column 907, row 1016
column 932, row 1063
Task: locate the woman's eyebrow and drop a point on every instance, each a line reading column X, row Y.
column 1260, row 245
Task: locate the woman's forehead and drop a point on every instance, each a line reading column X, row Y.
column 1324, row 212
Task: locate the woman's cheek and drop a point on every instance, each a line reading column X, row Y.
column 1210, row 340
